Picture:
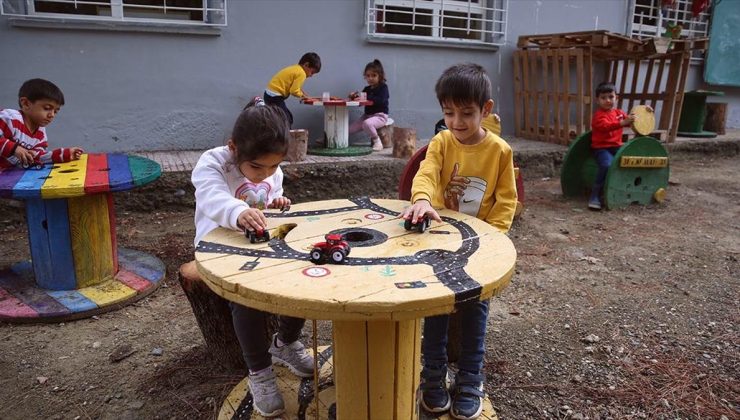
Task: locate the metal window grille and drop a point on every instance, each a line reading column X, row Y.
column 648, row 21
column 480, row 22
column 184, row 12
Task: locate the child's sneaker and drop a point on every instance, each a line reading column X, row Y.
column 267, row 399
column 377, row 144
column 293, row 356
column 435, row 398
column 594, row 204
column 467, row 400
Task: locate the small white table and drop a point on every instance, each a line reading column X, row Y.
column 336, row 119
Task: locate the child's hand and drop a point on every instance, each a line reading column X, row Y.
column 76, row 152
column 353, row 95
column 25, row 156
column 252, row 218
column 418, row 209
column 649, row 108
column 279, row 203
column 628, row 121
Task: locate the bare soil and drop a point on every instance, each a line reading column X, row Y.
column 617, row 314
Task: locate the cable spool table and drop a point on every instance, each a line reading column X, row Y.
column 390, row 281
column 76, row 268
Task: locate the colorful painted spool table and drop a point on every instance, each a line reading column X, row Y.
column 336, row 127
column 76, row 269
column 391, row 279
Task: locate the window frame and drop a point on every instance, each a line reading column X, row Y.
column 493, row 27
column 691, row 28
column 117, row 13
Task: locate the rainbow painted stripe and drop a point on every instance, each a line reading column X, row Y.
column 72, row 234
column 21, row 300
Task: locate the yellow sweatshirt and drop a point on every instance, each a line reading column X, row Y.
column 288, row 81
column 488, row 167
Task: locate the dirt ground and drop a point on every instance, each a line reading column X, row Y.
column 617, row 314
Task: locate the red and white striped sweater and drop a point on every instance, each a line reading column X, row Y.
column 14, row 133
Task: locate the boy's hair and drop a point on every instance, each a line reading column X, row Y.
column 260, row 130
column 377, row 67
column 312, row 59
column 605, row 87
column 463, row 84
column 36, row 89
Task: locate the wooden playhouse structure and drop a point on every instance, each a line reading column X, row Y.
column 554, row 80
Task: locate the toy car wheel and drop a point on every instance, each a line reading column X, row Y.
column 316, row 255
column 252, row 236
column 338, row 255
column 407, row 224
column 266, row 236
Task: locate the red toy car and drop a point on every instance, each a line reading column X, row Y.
column 260, row 235
column 423, row 224
column 335, row 249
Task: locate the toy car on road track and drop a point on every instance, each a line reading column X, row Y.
column 423, row 224
column 254, row 236
column 334, row 249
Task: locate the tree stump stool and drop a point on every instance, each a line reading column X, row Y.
column 386, row 134
column 298, row 145
column 404, row 142
column 716, row 117
column 213, row 315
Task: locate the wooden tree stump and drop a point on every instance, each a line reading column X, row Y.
column 298, row 145
column 404, row 142
column 213, row 315
column 386, row 136
column 716, row 117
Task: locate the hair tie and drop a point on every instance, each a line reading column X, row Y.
column 258, row 101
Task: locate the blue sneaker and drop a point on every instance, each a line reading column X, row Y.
column 435, row 398
column 594, row 204
column 467, row 400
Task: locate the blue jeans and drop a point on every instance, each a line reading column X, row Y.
column 604, row 158
column 279, row 101
column 434, row 343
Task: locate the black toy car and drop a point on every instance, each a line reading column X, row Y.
column 260, row 235
column 423, row 224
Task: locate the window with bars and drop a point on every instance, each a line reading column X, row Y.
column 185, row 12
column 648, row 21
column 464, row 22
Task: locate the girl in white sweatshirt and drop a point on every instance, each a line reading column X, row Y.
column 233, row 184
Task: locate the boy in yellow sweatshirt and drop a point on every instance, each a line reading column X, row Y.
column 289, row 81
column 468, row 169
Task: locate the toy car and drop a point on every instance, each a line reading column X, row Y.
column 334, row 249
column 260, row 235
column 35, row 165
column 423, row 224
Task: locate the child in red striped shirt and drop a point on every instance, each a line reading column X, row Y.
column 23, row 140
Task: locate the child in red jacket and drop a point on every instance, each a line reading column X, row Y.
column 606, row 136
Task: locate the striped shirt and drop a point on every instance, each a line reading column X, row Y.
column 14, row 133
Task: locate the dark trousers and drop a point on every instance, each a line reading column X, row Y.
column 279, row 101
column 473, row 334
column 250, row 326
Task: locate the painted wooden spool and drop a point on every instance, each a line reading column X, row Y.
column 638, row 174
column 72, row 239
column 390, row 281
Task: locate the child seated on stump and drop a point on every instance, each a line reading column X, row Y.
column 233, row 183
column 468, row 169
